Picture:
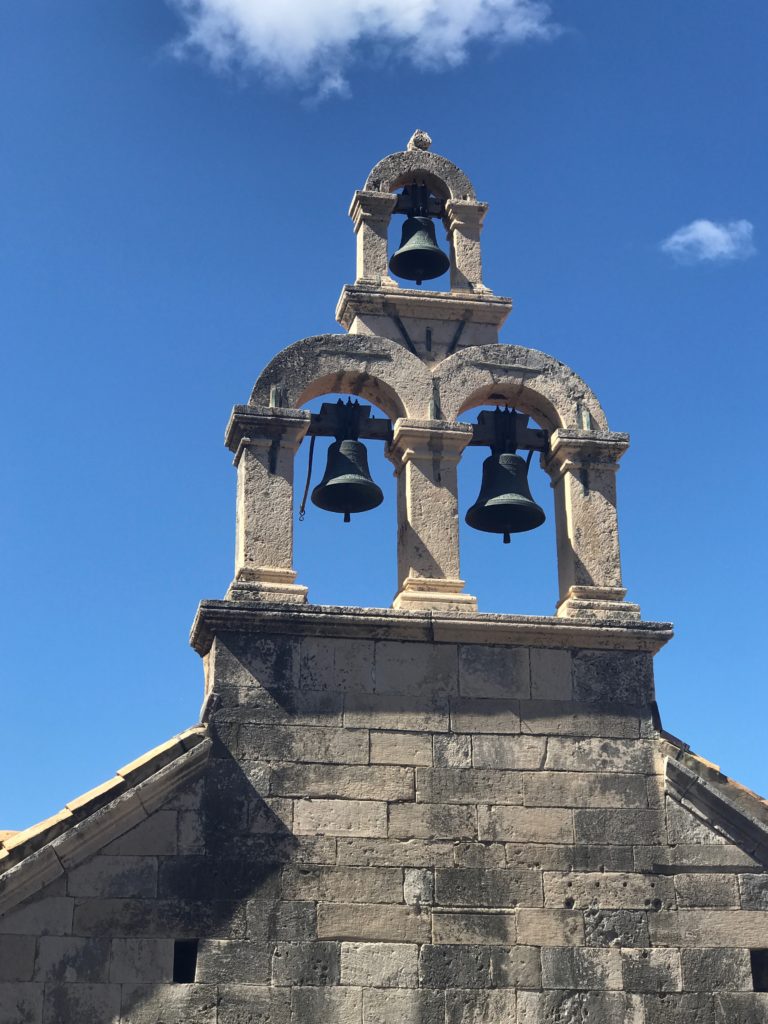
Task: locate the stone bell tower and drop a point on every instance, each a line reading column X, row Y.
column 419, row 814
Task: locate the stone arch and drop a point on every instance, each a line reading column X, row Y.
column 374, row 368
column 534, row 382
column 444, row 178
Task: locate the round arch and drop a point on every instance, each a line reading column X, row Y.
column 444, row 178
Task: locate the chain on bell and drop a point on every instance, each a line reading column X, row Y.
column 347, row 486
column 419, row 257
column 504, row 504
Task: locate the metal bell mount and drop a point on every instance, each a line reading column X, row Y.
column 419, row 257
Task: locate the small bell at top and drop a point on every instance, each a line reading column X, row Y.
column 419, row 257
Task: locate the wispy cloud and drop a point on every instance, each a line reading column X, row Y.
column 707, row 241
column 313, row 43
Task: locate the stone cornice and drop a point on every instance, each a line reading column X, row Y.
column 480, row 307
column 265, row 422
column 432, row 627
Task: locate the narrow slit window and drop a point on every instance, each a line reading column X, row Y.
column 759, row 959
column 184, row 960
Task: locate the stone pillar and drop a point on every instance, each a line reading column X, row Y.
column 464, row 220
column 371, row 213
column 265, row 442
column 425, row 454
column 582, row 465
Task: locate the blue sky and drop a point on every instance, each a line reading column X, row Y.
column 167, row 225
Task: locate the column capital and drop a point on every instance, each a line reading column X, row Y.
column 414, row 440
column 259, row 424
column 463, row 213
column 574, row 449
column 371, row 206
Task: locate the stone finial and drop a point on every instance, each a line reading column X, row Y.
column 419, row 140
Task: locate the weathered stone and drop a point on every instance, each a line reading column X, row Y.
column 479, row 855
column 478, row 967
column 716, row 970
column 707, row 890
column 687, row 855
column 583, row 789
column 685, row 827
column 352, row 885
column 353, row 782
column 572, row 718
column 191, row 835
column 476, row 887
column 488, row 671
column 432, row 821
column 68, row 959
column 600, row 755
column 372, row 923
column 551, row 674
column 615, row 927
column 521, row 824
column 297, row 743
column 340, row 1005
column 467, row 786
column 155, row 836
column 84, row 1003
column 408, row 668
column 401, row 748
column 580, row 968
column 754, row 892
column 254, row 1004
column 21, row 1003
column 585, row 857
column 550, row 927
column 379, row 964
column 17, row 957
column 709, row 928
column 490, row 929
column 340, row 818
column 385, row 711
column 171, row 1004
column 478, row 1006
column 288, row 920
column 180, row 918
column 305, row 963
column 619, row 825
column 741, row 1008
column 613, row 676
column 220, row 960
column 406, row 1006
column 418, row 887
column 581, row 890
column 485, row 716
column 395, row 852
column 511, row 752
column 452, row 751
column 105, row 876
column 569, row 1007
column 683, row 1008
column 651, row 970
column 140, row 960
column 223, row 877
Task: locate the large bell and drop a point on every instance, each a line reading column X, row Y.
column 419, row 257
column 504, row 504
column 347, row 486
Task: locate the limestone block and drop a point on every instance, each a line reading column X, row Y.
column 687, row 855
column 407, row 668
column 403, row 748
column 550, row 927
column 619, row 825
column 352, row 885
column 190, row 834
column 572, row 718
column 716, row 970
column 219, row 878
column 105, row 876
column 479, row 967
column 600, row 755
column 477, row 887
column 336, row 663
column 305, row 963
column 509, row 752
column 17, row 957
column 479, row 855
column 312, row 1005
column 467, row 786
column 418, row 887
column 355, row 922
column 155, row 836
column 386, row 711
column 569, row 1007
column 549, row 857
column 280, row 706
column 485, row 716
column 272, row 816
column 254, row 1004
column 171, row 1004
column 580, row 890
column 67, row 959
column 287, row 920
column 490, row 929
column 685, row 827
column 583, row 789
column 707, row 890
column 351, row 782
column 622, row 676
column 297, row 743
column 742, row 1008
column 432, row 821
column 141, row 960
column 340, row 818
column 253, row 664
column 709, row 928
column 615, row 927
column 551, row 674
column 86, row 1004
column 683, row 1008
column 651, row 970
column 525, row 824
column 379, row 964
column 452, row 751
column 21, row 1003
column 229, row 959
column 574, row 967
column 181, row 918
column 478, row 1006
column 754, row 891
column 31, row 876
column 395, row 852
column 406, row 1006
column 494, row 671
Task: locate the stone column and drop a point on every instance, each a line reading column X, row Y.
column 464, row 220
column 371, row 213
column 425, row 454
column 265, row 441
column 582, row 465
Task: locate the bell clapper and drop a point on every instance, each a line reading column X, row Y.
column 347, row 517
column 506, row 538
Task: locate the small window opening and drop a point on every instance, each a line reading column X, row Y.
column 759, row 959
column 184, row 960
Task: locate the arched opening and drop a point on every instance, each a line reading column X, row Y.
column 515, row 578
column 351, row 563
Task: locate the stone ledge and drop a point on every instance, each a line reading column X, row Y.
column 427, row 626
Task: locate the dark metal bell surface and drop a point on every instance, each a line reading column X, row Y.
column 504, row 504
column 347, row 486
column 419, row 257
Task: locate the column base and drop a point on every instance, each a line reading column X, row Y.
column 267, row 585
column 420, row 594
column 586, row 602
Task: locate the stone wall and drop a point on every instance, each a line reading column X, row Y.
column 401, row 829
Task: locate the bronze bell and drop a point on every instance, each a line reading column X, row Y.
column 419, row 257
column 347, row 486
column 504, row 504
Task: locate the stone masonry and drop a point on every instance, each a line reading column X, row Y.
column 412, row 815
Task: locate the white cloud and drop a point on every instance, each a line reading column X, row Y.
column 705, row 240
column 313, row 42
